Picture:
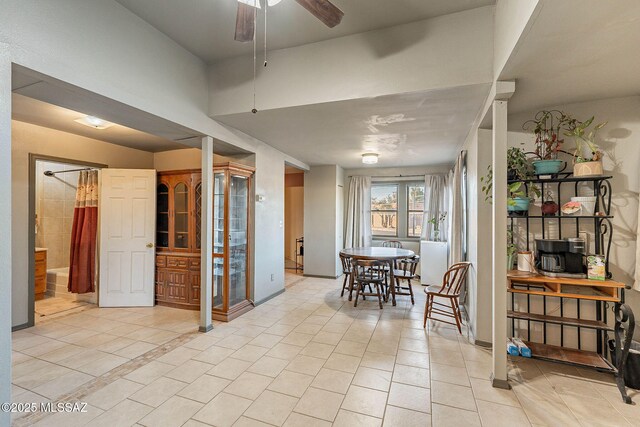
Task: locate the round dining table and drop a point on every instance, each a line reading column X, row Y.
column 380, row 254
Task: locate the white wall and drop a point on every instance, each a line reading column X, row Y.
column 399, row 59
column 478, row 303
column 510, row 23
column 5, row 231
column 321, row 221
column 26, row 139
column 620, row 140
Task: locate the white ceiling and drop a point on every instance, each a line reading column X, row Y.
column 577, row 51
column 206, row 27
column 412, row 129
column 25, row 109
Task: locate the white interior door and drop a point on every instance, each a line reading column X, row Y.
column 127, row 237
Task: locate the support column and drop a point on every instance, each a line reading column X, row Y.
column 5, row 231
column 499, row 247
column 206, row 246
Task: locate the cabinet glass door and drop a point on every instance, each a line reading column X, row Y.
column 198, row 216
column 238, row 225
column 162, row 216
column 181, row 215
column 218, row 213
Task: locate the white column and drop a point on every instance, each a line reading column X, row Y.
column 499, row 247
column 5, row 231
column 206, row 246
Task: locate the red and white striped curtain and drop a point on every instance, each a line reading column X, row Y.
column 82, row 266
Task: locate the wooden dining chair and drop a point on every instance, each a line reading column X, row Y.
column 368, row 273
column 346, row 271
column 406, row 271
column 450, row 289
column 392, row 244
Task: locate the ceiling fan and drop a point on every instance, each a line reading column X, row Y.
column 324, row 10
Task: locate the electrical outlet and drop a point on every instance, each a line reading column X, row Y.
column 273, row 277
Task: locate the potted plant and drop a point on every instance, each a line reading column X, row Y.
column 587, row 157
column 518, row 165
column 546, row 126
column 436, row 221
column 518, row 199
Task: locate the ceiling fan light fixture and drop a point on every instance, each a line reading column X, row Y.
column 252, row 3
column 369, row 158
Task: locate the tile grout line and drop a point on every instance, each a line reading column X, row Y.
column 109, row 377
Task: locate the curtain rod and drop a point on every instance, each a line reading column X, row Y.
column 51, row 173
column 391, row 176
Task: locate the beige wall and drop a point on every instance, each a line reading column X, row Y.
column 190, row 158
column 26, row 139
column 293, row 212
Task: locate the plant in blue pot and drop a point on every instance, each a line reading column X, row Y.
column 546, row 126
column 520, row 196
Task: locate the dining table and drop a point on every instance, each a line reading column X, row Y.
column 378, row 253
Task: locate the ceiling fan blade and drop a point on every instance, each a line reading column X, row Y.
column 245, row 23
column 324, row 10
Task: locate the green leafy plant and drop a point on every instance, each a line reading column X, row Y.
column 546, row 125
column 518, row 164
column 436, row 221
column 585, row 141
column 514, row 190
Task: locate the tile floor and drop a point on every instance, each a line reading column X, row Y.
column 305, row 358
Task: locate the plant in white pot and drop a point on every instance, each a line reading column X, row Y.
column 587, row 156
column 435, row 222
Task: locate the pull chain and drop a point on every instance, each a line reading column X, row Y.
column 255, row 15
column 266, row 6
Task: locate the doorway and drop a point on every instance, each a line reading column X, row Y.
column 53, row 186
column 293, row 223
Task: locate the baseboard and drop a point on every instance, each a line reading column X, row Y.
column 18, row 327
column 318, row 276
column 263, row 300
column 483, row 343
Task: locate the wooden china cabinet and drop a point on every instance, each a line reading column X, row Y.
column 179, row 202
column 178, row 199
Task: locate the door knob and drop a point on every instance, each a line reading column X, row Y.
column 149, row 245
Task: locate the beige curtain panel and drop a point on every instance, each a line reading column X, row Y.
column 358, row 226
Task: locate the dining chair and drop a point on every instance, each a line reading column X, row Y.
column 392, row 244
column 346, row 271
column 406, row 270
column 368, row 273
column 450, row 289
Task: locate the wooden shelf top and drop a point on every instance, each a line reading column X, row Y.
column 534, row 278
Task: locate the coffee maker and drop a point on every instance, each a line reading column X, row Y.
column 561, row 257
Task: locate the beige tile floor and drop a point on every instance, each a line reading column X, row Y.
column 305, row 358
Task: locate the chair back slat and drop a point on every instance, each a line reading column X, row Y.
column 346, row 264
column 454, row 278
column 392, row 244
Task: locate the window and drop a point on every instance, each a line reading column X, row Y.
column 384, row 210
column 415, row 209
column 397, row 209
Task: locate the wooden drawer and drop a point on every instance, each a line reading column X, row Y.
column 161, row 261
column 194, row 263
column 41, row 256
column 177, row 262
column 41, row 269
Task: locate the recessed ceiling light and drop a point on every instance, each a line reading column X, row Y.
column 369, row 158
column 94, row 122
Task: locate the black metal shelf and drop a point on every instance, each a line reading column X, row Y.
column 563, row 216
column 569, row 178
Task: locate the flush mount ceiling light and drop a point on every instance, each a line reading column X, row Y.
column 369, row 158
column 94, row 122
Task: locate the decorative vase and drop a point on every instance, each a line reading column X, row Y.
column 547, row 167
column 549, row 208
column 520, row 205
column 510, row 260
column 588, row 168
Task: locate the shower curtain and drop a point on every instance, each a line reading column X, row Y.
column 82, row 265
